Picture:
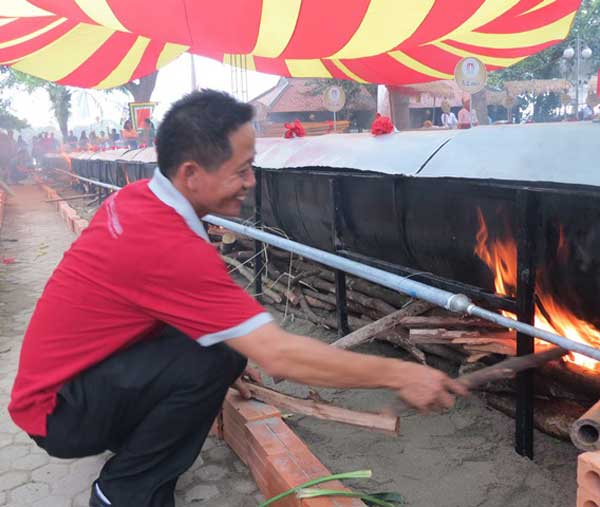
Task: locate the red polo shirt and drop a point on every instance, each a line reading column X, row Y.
column 143, row 261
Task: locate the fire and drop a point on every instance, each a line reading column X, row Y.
column 500, row 255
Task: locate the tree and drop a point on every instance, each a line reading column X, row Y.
column 60, row 96
column 141, row 89
column 8, row 120
column 352, row 90
column 550, row 64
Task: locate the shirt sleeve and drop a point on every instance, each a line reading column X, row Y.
column 191, row 290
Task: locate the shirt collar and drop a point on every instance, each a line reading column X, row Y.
column 162, row 188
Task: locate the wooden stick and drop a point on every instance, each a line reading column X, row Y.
column 405, row 344
column 312, row 316
column 449, row 322
column 248, row 275
column 508, row 367
column 388, row 322
column 553, row 417
column 381, row 422
column 317, row 303
column 353, row 306
column 71, row 198
column 376, row 304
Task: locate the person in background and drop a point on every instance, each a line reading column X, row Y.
column 129, row 135
column 102, row 139
column 4, row 155
column 18, row 166
column 466, row 116
column 149, row 132
column 53, row 144
column 449, row 120
column 114, row 137
column 71, row 141
column 93, row 138
column 21, row 144
column 83, row 141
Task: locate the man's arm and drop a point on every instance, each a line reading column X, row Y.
column 309, row 361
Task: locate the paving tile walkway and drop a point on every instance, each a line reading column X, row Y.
column 28, row 477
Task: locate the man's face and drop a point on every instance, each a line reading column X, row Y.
column 223, row 190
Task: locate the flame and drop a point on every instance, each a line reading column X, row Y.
column 500, row 255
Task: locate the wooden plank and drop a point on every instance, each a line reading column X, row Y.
column 381, row 422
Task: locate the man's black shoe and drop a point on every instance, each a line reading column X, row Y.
column 96, row 498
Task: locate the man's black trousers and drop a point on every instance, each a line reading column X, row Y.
column 152, row 404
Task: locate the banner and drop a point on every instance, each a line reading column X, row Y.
column 140, row 111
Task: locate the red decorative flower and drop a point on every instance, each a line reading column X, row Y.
column 8, row 260
column 382, row 125
column 294, row 129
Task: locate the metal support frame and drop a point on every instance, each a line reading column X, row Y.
column 526, row 272
column 341, row 301
column 258, row 245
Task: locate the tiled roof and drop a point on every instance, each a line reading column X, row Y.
column 291, row 95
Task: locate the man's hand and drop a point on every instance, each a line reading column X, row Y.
column 250, row 373
column 427, row 389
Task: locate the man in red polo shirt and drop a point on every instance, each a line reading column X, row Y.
column 140, row 330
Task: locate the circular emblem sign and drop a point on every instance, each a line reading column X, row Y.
column 470, row 75
column 334, row 98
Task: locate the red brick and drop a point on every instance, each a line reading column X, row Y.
column 587, row 499
column 250, row 410
column 588, row 472
column 79, row 225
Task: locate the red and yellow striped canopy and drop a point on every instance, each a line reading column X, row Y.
column 105, row 43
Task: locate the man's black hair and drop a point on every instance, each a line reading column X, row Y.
column 197, row 127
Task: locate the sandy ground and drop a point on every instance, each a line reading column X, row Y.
column 462, row 458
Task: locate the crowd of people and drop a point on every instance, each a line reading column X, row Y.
column 15, row 157
column 128, row 137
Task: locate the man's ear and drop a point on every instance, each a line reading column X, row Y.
column 186, row 171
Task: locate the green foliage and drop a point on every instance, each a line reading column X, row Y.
column 9, row 120
column 547, row 63
column 60, row 96
column 352, row 90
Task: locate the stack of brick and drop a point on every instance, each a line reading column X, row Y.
column 277, row 458
column 588, row 479
column 68, row 213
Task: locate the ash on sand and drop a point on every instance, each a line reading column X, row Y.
column 461, row 458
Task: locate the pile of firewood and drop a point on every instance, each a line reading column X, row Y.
column 461, row 345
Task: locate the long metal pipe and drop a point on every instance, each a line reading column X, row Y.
column 458, row 303
column 454, row 302
column 95, row 182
